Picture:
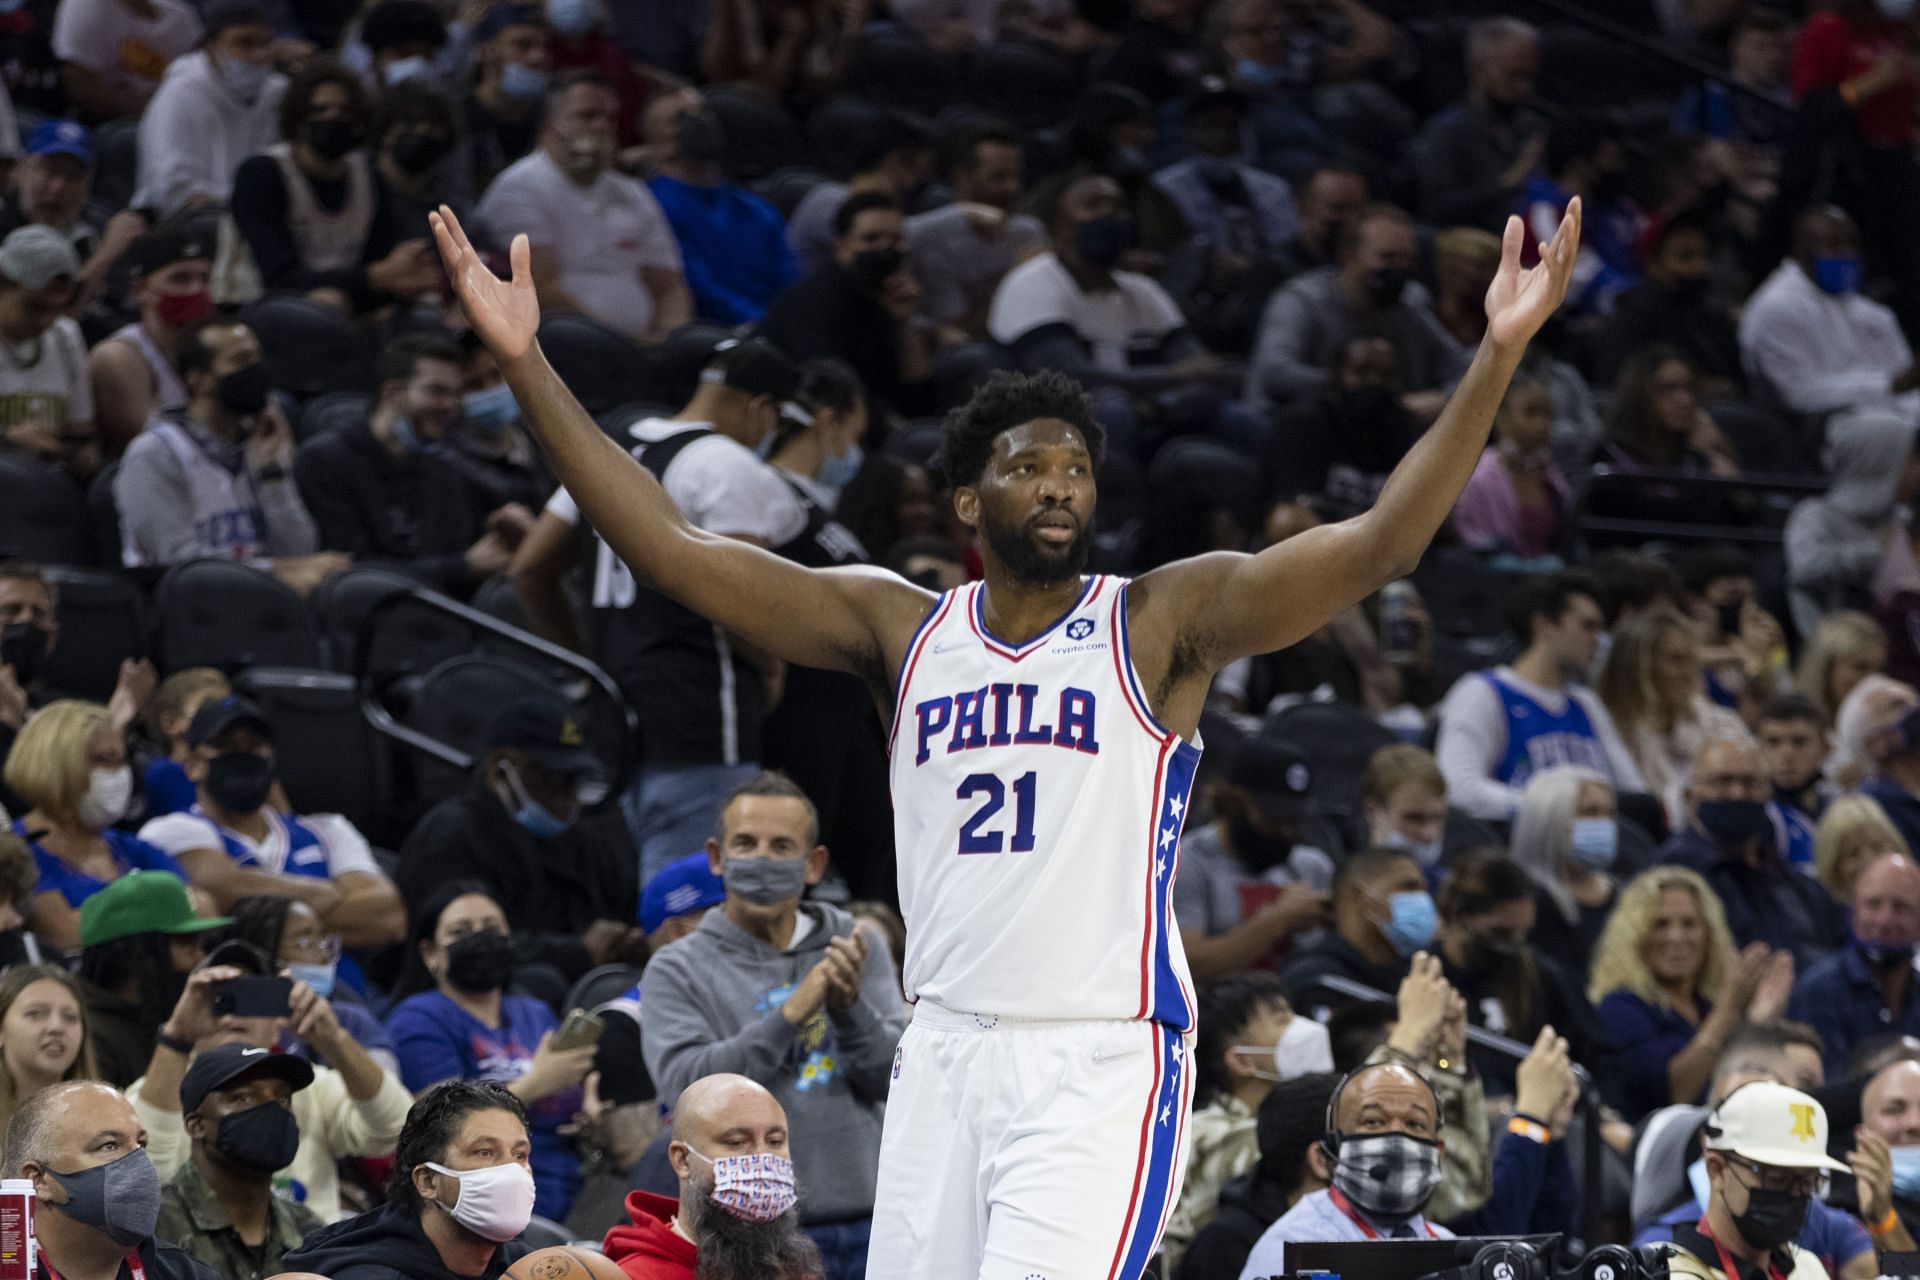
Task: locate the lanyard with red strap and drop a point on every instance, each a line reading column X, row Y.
column 134, row 1269
column 1727, row 1268
column 1345, row 1206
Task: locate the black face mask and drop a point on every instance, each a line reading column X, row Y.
column 480, row 962
column 262, row 1138
column 1103, row 241
column 700, row 137
column 1735, row 823
column 1488, row 952
column 23, row 646
column 244, row 391
column 872, row 266
column 239, row 781
column 1256, row 849
column 1385, row 284
column 418, row 152
column 1772, row 1217
column 1729, row 615
column 333, row 138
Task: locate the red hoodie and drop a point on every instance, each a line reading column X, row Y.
column 650, row 1249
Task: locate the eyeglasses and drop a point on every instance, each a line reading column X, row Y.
column 1793, row 1182
column 312, row 949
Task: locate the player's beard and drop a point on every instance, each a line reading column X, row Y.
column 1037, row 563
column 732, row 1248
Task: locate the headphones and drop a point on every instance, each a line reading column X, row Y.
column 1520, row 1260
column 1329, row 1143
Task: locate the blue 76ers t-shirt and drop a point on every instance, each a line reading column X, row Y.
column 435, row 1039
column 131, row 852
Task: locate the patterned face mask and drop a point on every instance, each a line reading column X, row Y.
column 755, row 1188
column 1390, row 1175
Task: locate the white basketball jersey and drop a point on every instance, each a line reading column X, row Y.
column 1037, row 814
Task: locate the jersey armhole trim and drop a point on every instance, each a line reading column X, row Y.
column 928, row 625
column 1129, row 681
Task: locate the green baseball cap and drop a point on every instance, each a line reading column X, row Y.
column 141, row 902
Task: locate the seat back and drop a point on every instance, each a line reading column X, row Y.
column 328, row 757
column 842, row 129
column 407, row 641
column 215, row 613
column 43, row 515
column 1029, row 84
column 1339, row 739
column 786, row 188
column 896, row 66
column 455, row 705
column 331, row 411
column 760, row 136
column 116, row 162
column 103, row 515
column 311, row 348
column 601, row 984
column 102, row 623
column 599, row 366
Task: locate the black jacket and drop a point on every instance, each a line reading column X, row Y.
column 1333, row 954
column 1248, row 1206
column 386, row 1244
column 416, row 510
column 551, row 890
column 160, row 1262
column 1771, row 903
column 830, row 314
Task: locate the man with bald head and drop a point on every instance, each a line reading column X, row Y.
column 1385, row 1147
column 1732, row 840
column 735, row 1218
column 1817, row 341
column 1865, row 991
column 97, row 1193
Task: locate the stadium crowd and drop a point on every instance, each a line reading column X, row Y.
column 586, row 910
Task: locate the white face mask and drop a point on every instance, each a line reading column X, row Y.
column 108, row 792
column 1304, row 1048
column 1425, row 852
column 495, row 1203
column 244, row 79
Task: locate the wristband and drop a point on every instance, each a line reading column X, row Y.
column 1886, row 1224
column 182, row 1047
column 1530, row 1128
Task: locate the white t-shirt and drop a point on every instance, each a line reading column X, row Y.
column 602, row 235
column 46, row 380
column 341, row 846
column 719, row 485
column 1135, row 315
column 128, row 51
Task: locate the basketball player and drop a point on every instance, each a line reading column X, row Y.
column 1044, row 738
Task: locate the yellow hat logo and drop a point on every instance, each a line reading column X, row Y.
column 570, row 733
column 1802, row 1120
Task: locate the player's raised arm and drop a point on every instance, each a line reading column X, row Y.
column 1228, row 606
column 844, row 619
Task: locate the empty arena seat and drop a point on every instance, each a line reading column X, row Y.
column 103, row 515
column 407, row 641
column 1029, row 84
column 43, row 515
column 599, row 366
column 102, row 623
column 895, row 66
column 455, row 704
column 788, row 187
column 332, row 411
column 328, row 757
column 760, row 135
column 842, row 128
column 215, row 613
column 116, row 162
column 311, row 349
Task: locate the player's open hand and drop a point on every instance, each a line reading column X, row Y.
column 505, row 313
column 1519, row 302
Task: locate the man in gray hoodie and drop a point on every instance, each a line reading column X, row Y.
column 788, row 994
column 1836, row 543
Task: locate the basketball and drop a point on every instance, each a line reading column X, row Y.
column 563, row 1262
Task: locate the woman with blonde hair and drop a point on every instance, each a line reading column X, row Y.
column 1565, row 837
column 1652, row 686
column 70, row 766
column 1852, row 832
column 1669, row 988
column 1844, row 649
column 43, row 1033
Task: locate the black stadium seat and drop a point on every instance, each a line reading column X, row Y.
column 331, row 411
column 102, row 622
column 215, row 613
column 454, row 705
column 599, row 366
column 311, row 349
column 896, row 67
column 760, row 135
column 116, row 161
column 43, row 515
column 787, row 188
column 408, row 641
column 330, row 759
column 841, row 129
column 1029, row 84
column 103, row 515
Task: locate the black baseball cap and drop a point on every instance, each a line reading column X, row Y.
column 221, row 714
column 220, row 1067
column 1276, row 773
column 755, row 366
column 160, row 249
column 550, row 732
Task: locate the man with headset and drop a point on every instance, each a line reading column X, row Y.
column 1383, row 1144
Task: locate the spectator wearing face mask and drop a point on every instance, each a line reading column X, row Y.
column 593, row 231
column 1248, row 886
column 1516, row 503
column 1674, row 305
column 462, row 1193
column 1290, row 1165
column 1566, row 835
column 457, row 1021
column 789, row 994
column 490, row 447
column 411, row 154
column 167, row 714
column 567, row 884
column 222, row 1206
column 235, row 844
column 1890, row 1113
column 70, row 766
column 402, row 39
column 213, row 109
column 891, row 156
column 135, row 374
column 735, row 1216
column 1251, row 1041
column 501, row 115
column 1336, row 448
column 311, row 211
column 1865, row 990
column 1382, row 915
column 733, row 244
column 96, row 1193
column 1403, row 801
column 297, row 943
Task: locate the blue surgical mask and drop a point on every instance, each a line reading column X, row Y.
column 318, row 976
column 1425, row 852
column 1906, row 1172
column 1838, row 275
column 405, row 69
column 517, row 80
column 1410, row 922
column 1701, row 1184
column 534, row 818
column 490, row 410
column 1881, row 955
column 838, row 473
column 1595, row 842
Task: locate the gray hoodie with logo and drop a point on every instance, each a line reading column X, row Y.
column 711, row 1003
column 1834, row 542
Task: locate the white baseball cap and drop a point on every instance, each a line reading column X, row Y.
column 1773, row 1125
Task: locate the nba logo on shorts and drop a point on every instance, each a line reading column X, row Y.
column 896, row 1061
column 1080, row 628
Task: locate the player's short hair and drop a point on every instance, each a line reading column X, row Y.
column 775, row 784
column 1226, row 1007
column 1004, row 401
column 1549, row 596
